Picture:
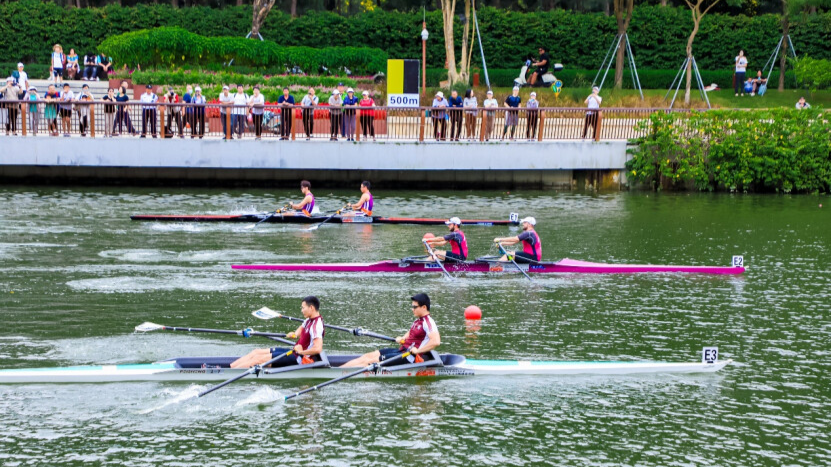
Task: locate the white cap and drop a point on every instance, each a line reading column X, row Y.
column 453, row 220
column 19, row 65
column 350, row 90
column 225, row 87
column 490, row 92
column 335, row 92
column 534, row 94
column 33, row 88
column 440, row 94
column 595, row 89
column 529, row 220
column 9, row 79
column 516, row 88
column 198, row 89
column 365, row 93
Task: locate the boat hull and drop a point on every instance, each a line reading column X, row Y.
column 285, row 219
column 189, row 370
column 564, row 266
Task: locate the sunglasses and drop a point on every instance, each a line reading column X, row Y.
column 416, row 306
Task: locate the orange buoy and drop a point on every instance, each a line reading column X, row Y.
column 473, row 312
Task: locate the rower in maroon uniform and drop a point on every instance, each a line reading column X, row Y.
column 366, row 202
column 422, row 337
column 456, row 239
column 531, row 245
column 307, row 206
column 309, row 341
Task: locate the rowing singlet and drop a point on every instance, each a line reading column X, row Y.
column 458, row 243
column 312, row 329
column 366, row 208
column 309, row 208
column 419, row 332
column 531, row 244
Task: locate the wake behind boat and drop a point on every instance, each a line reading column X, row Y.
column 491, row 264
column 285, row 218
column 210, row 369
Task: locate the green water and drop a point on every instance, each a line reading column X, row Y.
column 78, row 275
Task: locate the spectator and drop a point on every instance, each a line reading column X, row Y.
column 490, row 115
column 83, row 109
column 308, row 103
column 105, row 65
column 50, row 113
column 58, row 62
column 174, row 112
column 802, row 104
column 335, row 117
column 367, row 115
column 225, row 99
column 11, row 93
column 67, row 96
column 758, row 82
column 455, row 104
column 122, row 115
column 532, row 116
column 741, row 68
column 542, row 66
column 90, row 66
column 21, row 77
column 593, row 104
column 349, row 114
column 34, row 115
column 342, row 94
column 239, row 111
column 198, row 101
column 257, row 105
column 512, row 116
column 439, row 117
column 72, row 66
column 470, row 104
column 748, row 86
column 286, row 101
column 187, row 98
column 148, row 111
column 109, row 113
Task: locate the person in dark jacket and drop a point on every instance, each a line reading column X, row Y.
column 455, row 110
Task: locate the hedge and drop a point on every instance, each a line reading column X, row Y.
column 176, row 46
column 28, row 28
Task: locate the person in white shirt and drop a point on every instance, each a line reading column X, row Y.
column 239, row 111
column 83, row 109
column 335, row 114
column 22, row 77
column 58, row 60
column 308, row 102
column 470, row 103
column 225, row 99
column 593, row 104
column 532, row 116
column 67, row 96
column 198, row 101
column 490, row 115
column 257, row 105
column 11, row 92
column 148, row 111
column 439, row 117
column 802, row 104
column 741, row 70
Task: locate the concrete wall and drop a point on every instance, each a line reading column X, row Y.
column 176, row 161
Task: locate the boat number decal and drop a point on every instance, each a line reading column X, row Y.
column 495, row 269
column 710, row 355
column 738, row 261
column 514, row 217
column 431, row 266
column 537, row 267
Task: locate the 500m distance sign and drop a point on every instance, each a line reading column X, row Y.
column 402, row 83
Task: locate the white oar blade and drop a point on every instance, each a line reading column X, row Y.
column 314, row 227
column 265, row 313
column 148, row 326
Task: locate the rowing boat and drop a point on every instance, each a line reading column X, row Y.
column 445, row 365
column 490, row 264
column 301, row 219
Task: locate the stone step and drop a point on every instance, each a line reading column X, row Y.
column 97, row 88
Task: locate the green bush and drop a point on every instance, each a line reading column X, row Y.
column 782, row 150
column 813, row 74
column 35, row 70
column 176, row 46
column 179, row 77
column 29, row 28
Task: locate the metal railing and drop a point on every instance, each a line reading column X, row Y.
column 105, row 119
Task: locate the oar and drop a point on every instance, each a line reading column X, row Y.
column 433, row 255
column 268, row 217
column 505, row 252
column 253, row 369
column 248, row 332
column 372, row 367
column 317, row 226
column 268, row 313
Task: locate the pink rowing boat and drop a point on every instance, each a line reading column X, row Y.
column 490, row 264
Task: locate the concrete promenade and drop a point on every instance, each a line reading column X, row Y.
column 176, row 161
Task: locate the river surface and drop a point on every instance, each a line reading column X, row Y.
column 78, row 275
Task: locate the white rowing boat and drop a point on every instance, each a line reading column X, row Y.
column 196, row 369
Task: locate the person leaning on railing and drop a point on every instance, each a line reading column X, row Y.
column 350, row 102
column 225, row 100
column 532, row 116
column 286, row 101
column 367, row 115
column 593, row 104
column 85, row 98
column 335, row 106
column 188, row 117
column 257, row 105
column 512, row 116
column 50, row 113
column 122, row 115
column 174, row 112
column 239, row 111
column 148, row 111
column 109, row 113
column 490, row 115
column 455, row 112
column 34, row 115
column 309, row 102
column 11, row 93
column 67, row 96
column 470, row 105
column 198, row 101
column 438, row 114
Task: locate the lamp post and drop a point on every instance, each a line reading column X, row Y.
column 424, row 58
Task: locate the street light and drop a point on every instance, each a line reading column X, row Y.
column 424, row 35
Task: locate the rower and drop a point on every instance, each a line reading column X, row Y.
column 307, row 206
column 366, row 202
column 456, row 239
column 423, row 336
column 309, row 341
column 531, row 245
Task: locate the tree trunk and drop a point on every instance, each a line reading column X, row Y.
column 696, row 23
column 464, row 66
column 239, row 2
column 261, row 10
column 174, row 3
column 663, row 2
column 623, row 14
column 783, row 60
column 448, row 10
column 293, row 8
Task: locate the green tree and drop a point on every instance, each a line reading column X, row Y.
column 698, row 8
